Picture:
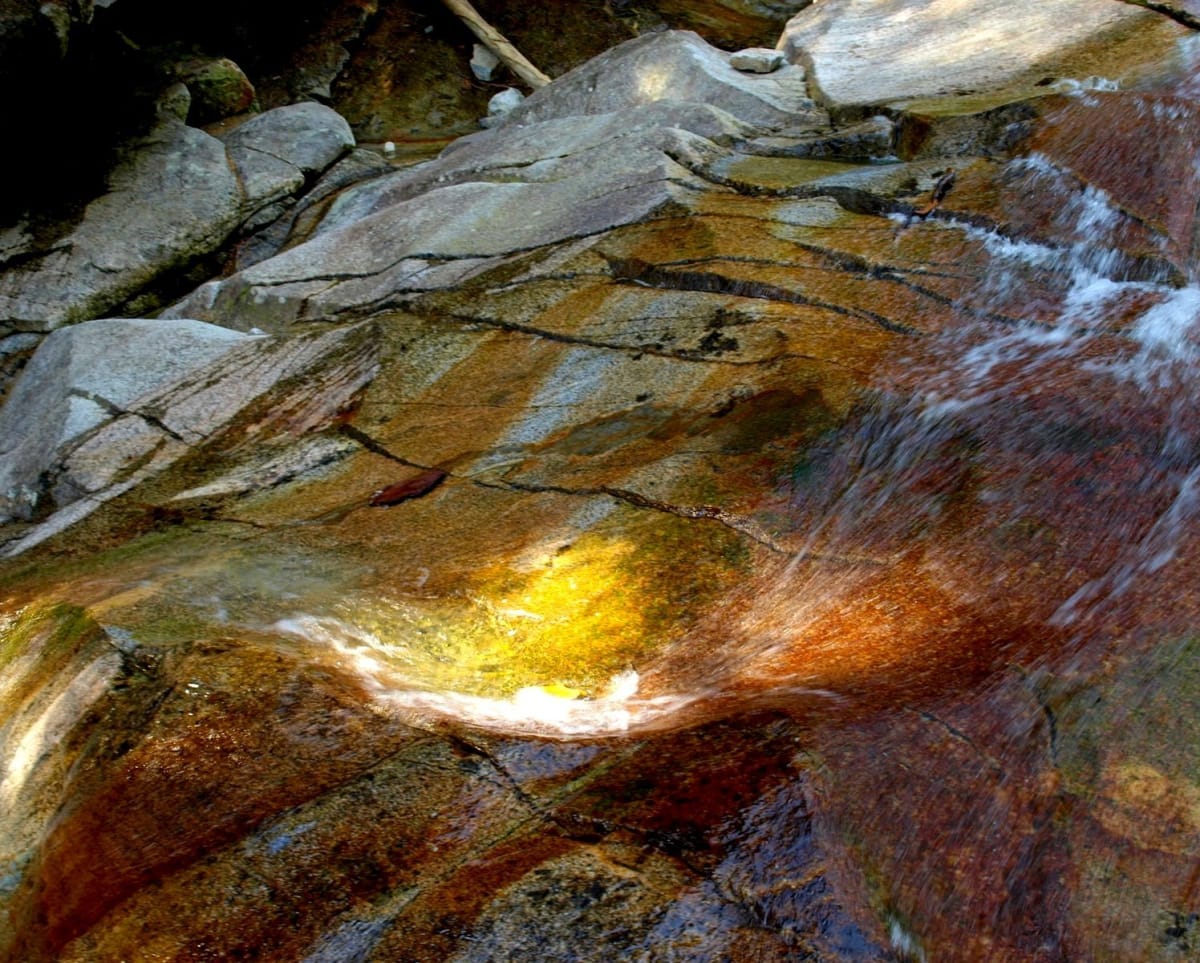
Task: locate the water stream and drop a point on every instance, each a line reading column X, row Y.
column 1006, row 488
column 965, row 602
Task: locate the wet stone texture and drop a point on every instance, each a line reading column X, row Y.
column 643, row 533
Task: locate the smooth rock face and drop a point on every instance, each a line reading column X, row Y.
column 177, row 198
column 670, row 65
column 862, row 53
column 82, row 376
column 672, row 531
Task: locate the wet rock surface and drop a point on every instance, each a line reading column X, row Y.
column 674, row 523
column 861, row 52
column 176, row 200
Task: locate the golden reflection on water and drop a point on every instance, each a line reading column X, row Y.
column 570, row 625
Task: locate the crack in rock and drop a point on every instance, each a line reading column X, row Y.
column 635, row 271
column 1178, row 14
column 633, row 350
column 116, row 411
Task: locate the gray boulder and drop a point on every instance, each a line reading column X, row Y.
column 757, row 60
column 864, row 53
column 100, row 425
column 573, row 164
column 387, row 239
column 673, row 65
column 83, row 376
column 275, row 152
column 177, row 197
column 173, row 199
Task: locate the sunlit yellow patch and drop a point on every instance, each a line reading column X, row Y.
column 565, row 628
column 653, row 83
column 559, row 691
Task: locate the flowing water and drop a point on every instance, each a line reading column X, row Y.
column 1022, row 482
column 1004, row 519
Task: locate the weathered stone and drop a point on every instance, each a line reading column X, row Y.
column 966, row 126
column 28, row 28
column 757, row 60
column 300, row 218
column 218, row 86
column 679, row 516
column 276, row 152
column 673, row 66
column 171, row 201
column 103, row 449
column 505, row 101
column 483, row 63
column 83, row 376
column 864, row 53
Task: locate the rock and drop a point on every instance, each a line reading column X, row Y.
column 172, row 200
column 299, row 219
column 504, row 102
column 218, row 86
column 874, row 137
column 29, row 30
column 731, row 24
column 15, row 352
column 757, row 60
column 652, row 533
column 276, row 152
column 96, row 448
column 121, row 248
column 674, row 66
column 83, row 376
column 462, row 223
column 864, row 53
column 174, row 102
column 483, row 62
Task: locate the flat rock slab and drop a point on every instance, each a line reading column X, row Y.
column 673, row 65
column 863, row 53
column 82, row 376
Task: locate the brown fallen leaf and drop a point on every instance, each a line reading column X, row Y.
column 413, row 487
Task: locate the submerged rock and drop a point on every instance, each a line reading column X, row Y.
column 665, row 525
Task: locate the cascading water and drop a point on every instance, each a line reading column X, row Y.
column 1032, row 469
column 1005, row 484
column 862, row 603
